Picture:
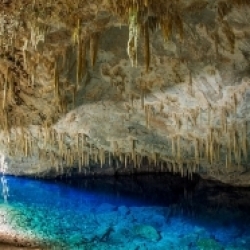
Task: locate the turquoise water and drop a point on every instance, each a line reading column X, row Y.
column 143, row 213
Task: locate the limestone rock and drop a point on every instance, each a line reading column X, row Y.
column 147, row 232
column 125, row 86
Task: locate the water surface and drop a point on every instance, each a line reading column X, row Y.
column 140, row 212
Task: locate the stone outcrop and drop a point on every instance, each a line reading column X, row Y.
column 125, row 86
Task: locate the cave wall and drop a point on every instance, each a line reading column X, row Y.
column 104, row 87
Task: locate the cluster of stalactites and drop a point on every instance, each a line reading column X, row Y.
column 7, row 80
column 65, row 151
column 226, row 145
column 146, row 15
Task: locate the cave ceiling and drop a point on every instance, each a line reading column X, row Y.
column 125, row 84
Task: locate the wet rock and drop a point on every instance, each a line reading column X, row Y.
column 147, row 232
column 109, row 218
column 123, row 211
column 208, row 244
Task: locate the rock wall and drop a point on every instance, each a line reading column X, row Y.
column 125, row 86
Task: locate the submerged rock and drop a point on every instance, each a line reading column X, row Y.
column 208, row 244
column 147, row 232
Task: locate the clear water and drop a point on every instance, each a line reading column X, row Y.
column 127, row 213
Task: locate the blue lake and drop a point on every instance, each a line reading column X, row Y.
column 144, row 212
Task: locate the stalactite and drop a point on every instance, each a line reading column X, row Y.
column 161, row 107
column 30, row 146
column 178, row 148
column 73, row 96
column 102, row 156
column 96, row 156
column 244, row 140
column 45, row 135
column 60, row 142
column 83, row 60
column 239, row 156
column 146, row 44
column 147, row 113
column 146, row 3
column 133, row 36
column 166, row 27
column 94, row 43
column 235, row 103
column 174, row 167
column 52, row 131
column 173, row 147
column 49, row 136
column 109, row 159
column 211, row 146
column 229, row 150
column 67, row 157
column 194, row 167
column 77, row 143
column 24, row 49
column 39, row 134
column 177, row 121
column 56, row 81
column 139, row 160
column 15, row 142
column 11, row 87
column 121, row 158
column 82, row 159
column 79, row 164
column 39, row 154
column 135, row 160
column 226, row 159
column 114, row 147
column 196, row 143
column 154, row 157
column 190, row 83
column 125, row 161
column 5, row 91
column 207, row 148
column 223, row 123
column 6, row 121
column 71, row 158
column 83, row 142
column 87, row 159
column 142, row 97
column 200, row 148
column 225, row 117
column 79, row 54
column 90, row 149
column 208, row 115
column 26, row 146
column 53, row 159
column 217, row 151
column 190, row 172
column 234, row 142
column 133, row 152
column 216, row 44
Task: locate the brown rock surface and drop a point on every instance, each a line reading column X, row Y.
column 78, row 88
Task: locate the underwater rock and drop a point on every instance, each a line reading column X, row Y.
column 109, row 218
column 147, row 232
column 123, row 211
column 158, row 220
column 208, row 244
column 122, row 235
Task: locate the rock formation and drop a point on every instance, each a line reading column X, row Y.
column 98, row 86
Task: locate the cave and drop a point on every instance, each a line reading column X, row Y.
column 139, row 99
